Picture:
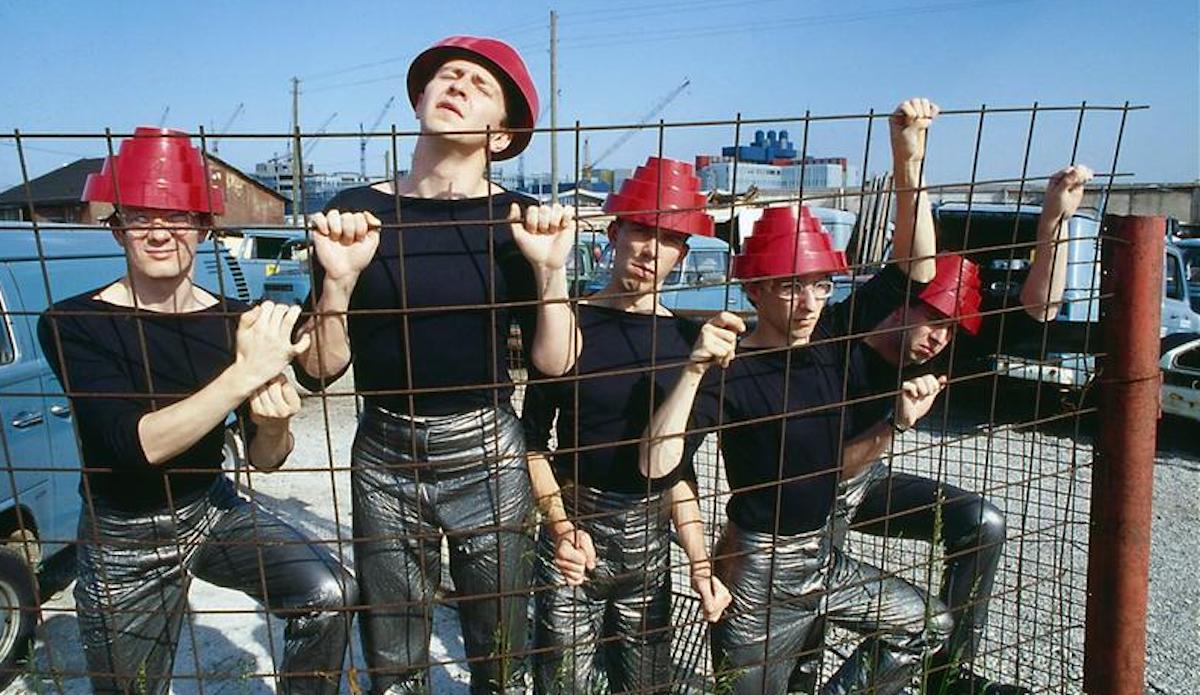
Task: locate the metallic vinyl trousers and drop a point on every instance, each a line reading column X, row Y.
column 782, row 586
column 899, row 505
column 415, row 480
column 135, row 570
column 612, row 634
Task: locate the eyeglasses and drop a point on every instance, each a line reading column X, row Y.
column 790, row 289
column 138, row 224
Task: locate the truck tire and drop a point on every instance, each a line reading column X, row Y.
column 18, row 613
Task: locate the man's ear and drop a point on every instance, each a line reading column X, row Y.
column 499, row 141
column 118, row 236
column 612, row 230
column 752, row 290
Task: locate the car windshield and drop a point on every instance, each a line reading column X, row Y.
column 1191, row 271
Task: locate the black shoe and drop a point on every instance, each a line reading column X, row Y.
column 962, row 682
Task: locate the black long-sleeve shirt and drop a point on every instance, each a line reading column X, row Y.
column 112, row 382
column 786, row 455
column 426, row 305
column 628, row 362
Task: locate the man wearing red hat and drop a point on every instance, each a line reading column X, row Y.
column 153, row 365
column 779, row 409
column 422, row 309
column 602, row 580
column 882, row 502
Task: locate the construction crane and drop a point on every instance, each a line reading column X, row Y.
column 163, row 118
column 313, row 141
column 362, row 138
column 586, row 174
column 216, row 139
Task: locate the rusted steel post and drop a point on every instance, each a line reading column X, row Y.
column 1123, row 476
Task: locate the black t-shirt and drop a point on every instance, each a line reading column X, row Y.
column 628, row 361
column 795, row 466
column 112, row 382
column 448, row 256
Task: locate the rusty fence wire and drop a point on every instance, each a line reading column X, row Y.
column 1016, row 425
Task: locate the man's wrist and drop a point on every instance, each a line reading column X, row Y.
column 896, row 426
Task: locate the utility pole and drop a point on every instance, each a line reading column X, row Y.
column 553, row 106
column 296, row 203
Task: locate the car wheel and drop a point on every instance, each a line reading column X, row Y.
column 18, row 613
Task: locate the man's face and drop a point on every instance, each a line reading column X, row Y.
column 926, row 334
column 791, row 306
column 642, row 258
column 160, row 244
column 463, row 95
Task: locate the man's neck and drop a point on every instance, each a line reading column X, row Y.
column 442, row 170
column 161, row 295
column 613, row 296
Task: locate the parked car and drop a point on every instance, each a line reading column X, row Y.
column 1189, row 250
column 272, row 263
column 39, row 498
column 1181, row 375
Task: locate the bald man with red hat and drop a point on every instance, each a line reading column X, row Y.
column 416, row 284
column 778, row 401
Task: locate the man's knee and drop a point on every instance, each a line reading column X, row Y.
column 979, row 524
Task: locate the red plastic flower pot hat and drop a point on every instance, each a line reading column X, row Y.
column 503, row 61
column 782, row 246
column 663, row 193
column 955, row 291
column 156, row 168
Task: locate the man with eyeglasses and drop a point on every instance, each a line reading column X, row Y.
column 778, row 409
column 152, row 365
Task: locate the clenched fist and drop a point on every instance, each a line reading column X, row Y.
column 345, row 242
column 916, row 398
column 717, row 343
column 909, row 124
column 544, row 233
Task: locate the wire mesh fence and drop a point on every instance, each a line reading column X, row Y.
column 414, row 455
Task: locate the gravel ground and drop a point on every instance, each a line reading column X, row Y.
column 1036, row 629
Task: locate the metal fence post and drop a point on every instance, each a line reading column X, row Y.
column 1123, row 476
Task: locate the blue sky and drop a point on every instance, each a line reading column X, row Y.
column 75, row 67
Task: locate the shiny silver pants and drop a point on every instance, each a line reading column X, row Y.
column 887, row 504
column 612, row 634
column 782, row 586
column 414, row 481
column 134, row 573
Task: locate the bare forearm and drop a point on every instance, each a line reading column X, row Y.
column 685, row 511
column 662, row 448
column 913, row 242
column 556, row 340
column 859, row 452
column 1043, row 290
column 547, row 493
column 270, row 447
column 168, row 432
column 329, row 352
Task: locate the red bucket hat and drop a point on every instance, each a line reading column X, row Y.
column 657, row 188
column 521, row 99
column 954, row 291
column 781, row 245
column 156, row 168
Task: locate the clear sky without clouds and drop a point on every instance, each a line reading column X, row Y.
column 86, row 65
